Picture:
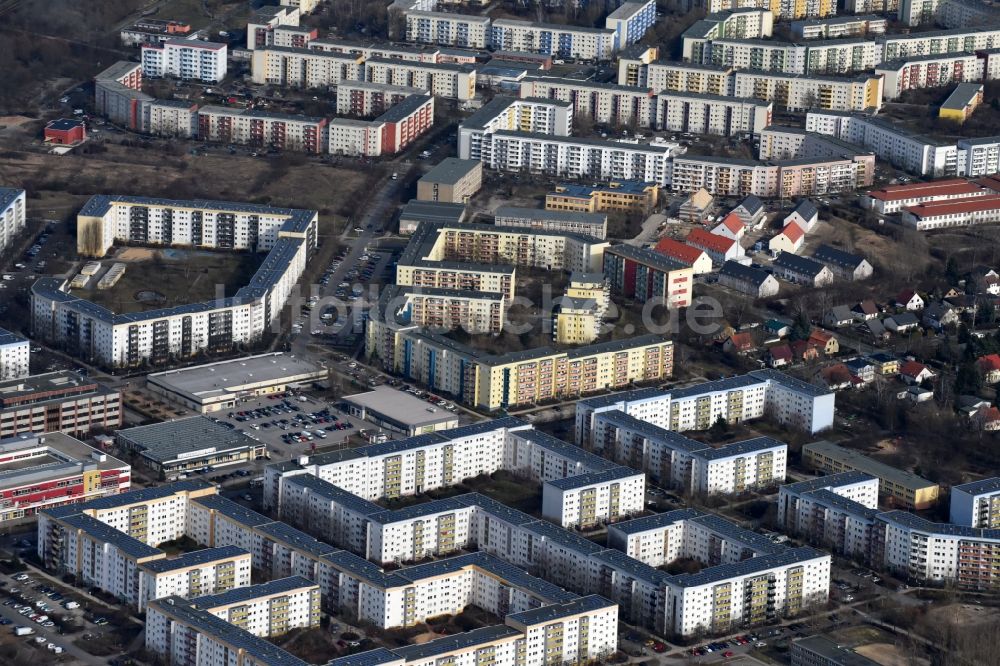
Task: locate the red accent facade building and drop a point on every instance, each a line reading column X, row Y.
column 65, row 132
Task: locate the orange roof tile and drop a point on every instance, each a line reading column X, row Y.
column 733, row 223
column 709, row 241
column 793, row 232
column 678, row 250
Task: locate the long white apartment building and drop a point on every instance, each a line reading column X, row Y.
column 840, row 26
column 13, row 214
column 193, row 574
column 572, row 222
column 795, row 92
column 15, row 356
column 304, row 67
column 380, row 49
column 914, row 547
column 710, row 114
column 692, row 467
column 283, row 131
column 462, row 30
column 929, row 71
column 976, row 504
column 476, row 312
column 816, row 57
column 631, row 21
column 445, row 80
column 268, row 20
column 787, row 10
column 894, row 198
column 123, row 340
column 186, row 59
column 689, row 533
column 571, row 157
column 837, row 511
column 556, row 40
column 661, row 75
column 760, row 393
column 737, row 23
column 969, row 40
column 535, row 115
column 267, row 609
column 600, row 102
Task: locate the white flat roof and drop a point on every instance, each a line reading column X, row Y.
column 400, row 406
column 205, row 382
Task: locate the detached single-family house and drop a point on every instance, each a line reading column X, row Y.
column 697, row 260
column 913, row 372
column 886, row 365
column 968, row 405
column 836, row 377
column 865, row 310
column 915, row 394
column 961, row 303
column 801, row 270
column 862, row 368
column 987, row 418
column 697, row 206
column 939, row 315
column 802, row 350
column 750, row 211
column 903, row 322
column 877, row 330
column 779, row 356
column 825, row 341
column 844, row 265
column 720, row 248
column 909, row 300
column 748, row 280
column 838, row 316
column 730, row 227
column 778, row 329
column 804, row 214
column 789, row 239
column 739, row 343
column 987, row 281
column 989, row 368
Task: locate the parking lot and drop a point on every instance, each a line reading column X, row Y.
column 293, row 426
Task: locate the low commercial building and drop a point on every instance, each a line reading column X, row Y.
column 585, row 224
column 452, row 180
column 15, row 354
column 414, row 213
column 43, row 471
column 176, row 447
column 897, row 486
column 57, row 402
column 821, row 651
column 962, row 102
column 193, row 574
column 399, row 412
column 976, row 504
column 618, row 196
column 221, row 386
column 644, row 275
column 64, row 132
column 186, row 59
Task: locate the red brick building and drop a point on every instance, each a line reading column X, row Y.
column 65, row 132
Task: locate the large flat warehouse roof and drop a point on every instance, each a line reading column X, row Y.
column 205, row 383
